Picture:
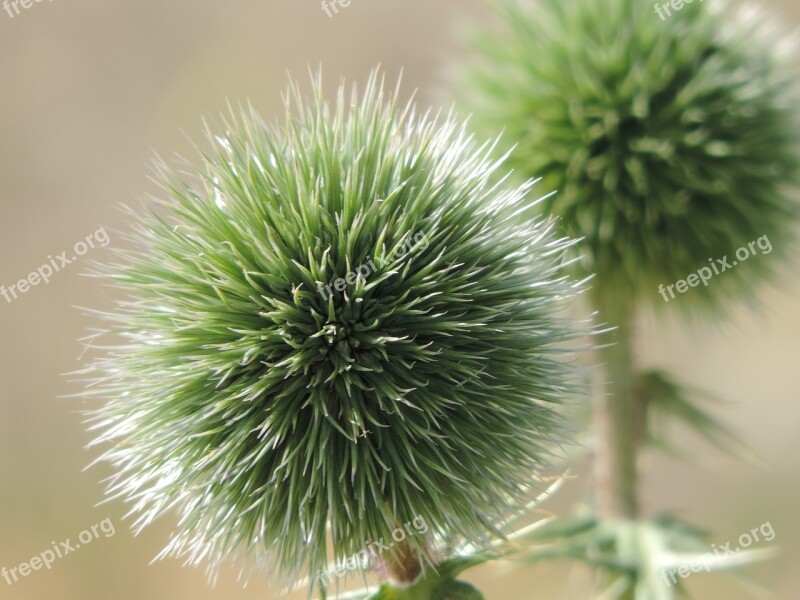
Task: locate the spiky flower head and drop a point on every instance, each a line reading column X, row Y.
column 670, row 135
column 334, row 327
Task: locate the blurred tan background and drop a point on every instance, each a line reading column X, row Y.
column 89, row 89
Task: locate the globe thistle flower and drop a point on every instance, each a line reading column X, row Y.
column 330, row 327
column 671, row 137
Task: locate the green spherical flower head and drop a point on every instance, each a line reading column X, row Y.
column 670, row 135
column 334, row 328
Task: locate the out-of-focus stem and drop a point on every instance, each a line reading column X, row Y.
column 616, row 415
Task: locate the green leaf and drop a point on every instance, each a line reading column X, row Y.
column 635, row 555
column 665, row 400
column 453, row 567
column 433, row 587
column 456, row 590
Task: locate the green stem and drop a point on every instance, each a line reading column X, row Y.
column 617, row 414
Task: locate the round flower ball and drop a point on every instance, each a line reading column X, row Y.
column 671, row 134
column 333, row 329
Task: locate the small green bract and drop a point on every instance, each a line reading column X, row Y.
column 275, row 415
column 670, row 141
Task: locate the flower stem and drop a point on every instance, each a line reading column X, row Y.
column 616, row 414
